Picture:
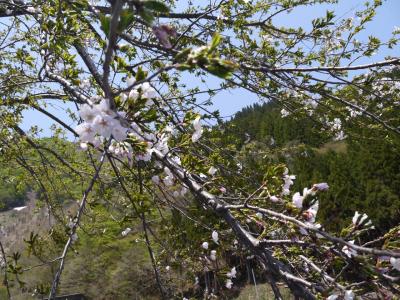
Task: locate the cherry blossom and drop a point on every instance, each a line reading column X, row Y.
column 395, row 262
column 198, row 130
column 204, row 245
column 348, row 295
column 213, row 255
column 212, row 171
column 126, row 231
column 214, row 236
column 231, row 273
column 349, row 251
column 298, row 199
column 288, row 182
column 228, row 284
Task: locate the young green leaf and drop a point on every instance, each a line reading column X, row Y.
column 156, row 6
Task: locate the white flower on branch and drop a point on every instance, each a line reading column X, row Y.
column 212, row 170
column 323, row 186
column 311, row 213
column 349, row 295
column 85, row 132
column 198, row 130
column 169, row 179
column 228, row 284
column 130, row 80
column 204, row 245
column 360, row 220
column 133, row 94
column 274, row 199
column 395, row 262
column 99, row 120
column 31, row 9
column 350, row 252
column 213, row 255
column 84, row 146
column 284, row 113
column 288, row 182
column 304, row 231
column 126, row 232
column 340, row 136
column 298, row 199
column 214, row 236
column 232, row 273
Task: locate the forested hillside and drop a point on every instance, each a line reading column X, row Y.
column 363, row 170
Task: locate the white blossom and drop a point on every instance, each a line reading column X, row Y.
column 214, row 236
column 212, row 171
column 350, row 252
column 213, row 255
column 133, row 94
column 395, row 262
column 126, row 231
column 228, row 284
column 284, row 113
column 311, row 213
column 348, row 295
column 155, row 179
column 231, row 273
column 359, row 220
column 198, row 130
column 130, row 81
column 298, row 199
column 288, row 182
column 31, row 9
column 86, row 132
column 204, row 245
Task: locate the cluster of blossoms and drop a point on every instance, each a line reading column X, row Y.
column 336, row 127
column 213, row 257
column 144, row 91
column 350, row 252
column 311, row 213
column 231, row 274
column 284, row 113
column 99, row 122
column 310, row 105
column 361, row 220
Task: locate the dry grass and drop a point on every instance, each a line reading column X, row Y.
column 263, row 292
column 338, row 147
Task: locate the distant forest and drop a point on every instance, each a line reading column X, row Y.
column 363, row 170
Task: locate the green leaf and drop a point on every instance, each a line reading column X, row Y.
column 140, row 74
column 126, row 19
column 147, row 16
column 182, row 55
column 216, row 40
column 156, row 6
column 105, row 23
column 219, row 71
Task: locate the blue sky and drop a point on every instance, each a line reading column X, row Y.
column 229, row 102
